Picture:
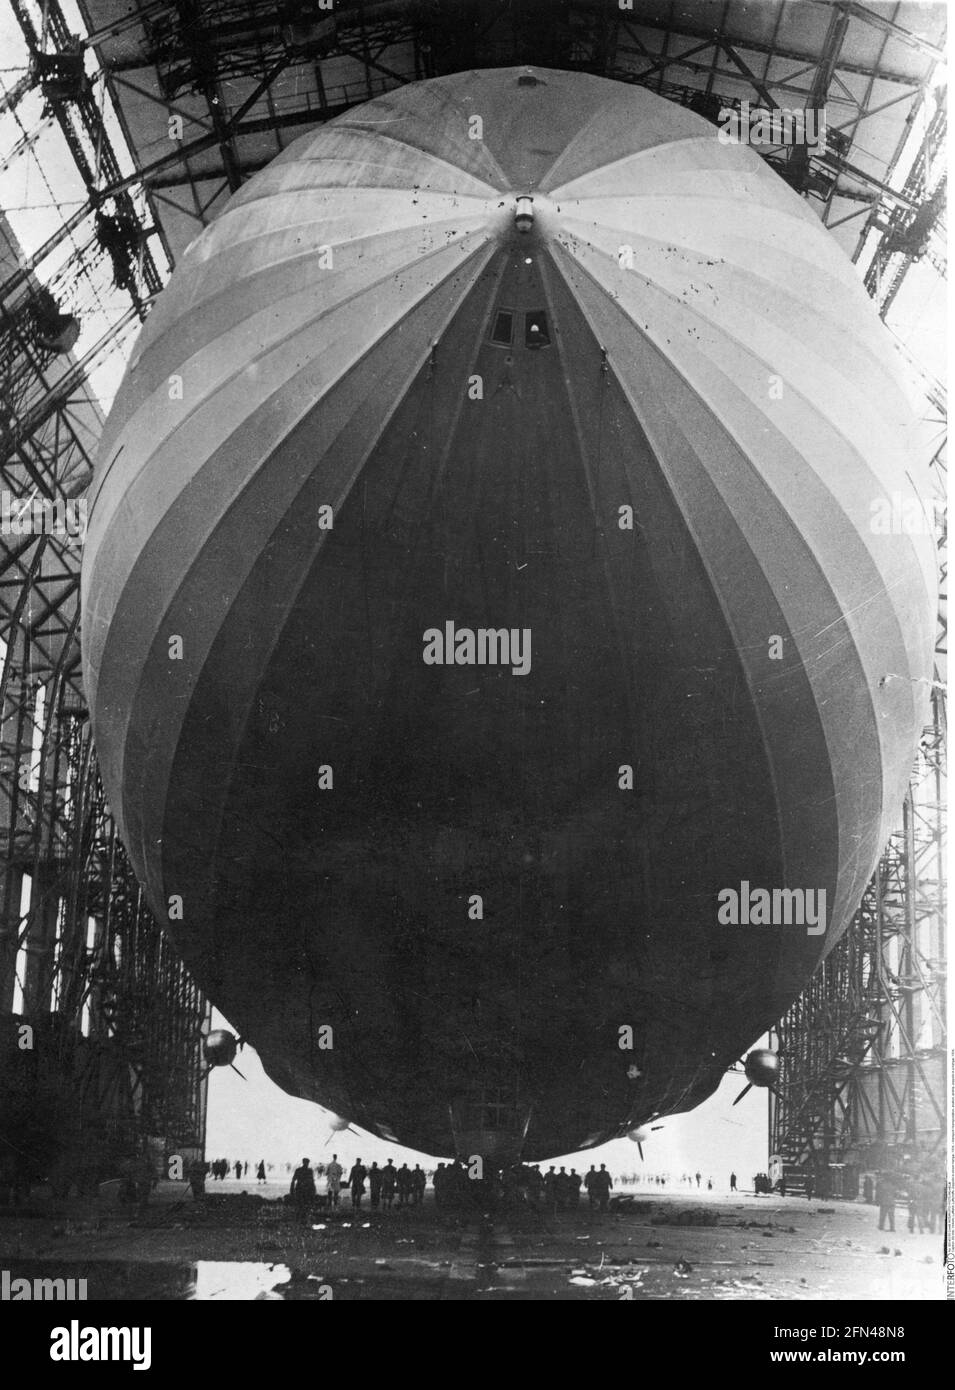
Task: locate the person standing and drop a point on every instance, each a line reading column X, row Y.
column 550, row 1188
column 238, row 1171
column 590, row 1182
column 885, row 1195
column 403, row 1183
column 535, row 1184
column 603, row 1183
column 356, row 1181
column 197, row 1178
column 302, row 1189
column 333, row 1182
column 389, row 1179
column 912, row 1200
column 260, row 1171
column 374, row 1186
column 418, row 1183
column 564, row 1185
column 732, row 1182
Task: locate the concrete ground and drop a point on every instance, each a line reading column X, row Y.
column 243, row 1242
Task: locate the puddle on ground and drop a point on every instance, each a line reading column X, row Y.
column 229, row 1280
column 237, row 1279
column 204, row 1280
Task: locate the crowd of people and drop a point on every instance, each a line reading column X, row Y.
column 664, row 1179
column 388, row 1185
column 222, row 1168
column 385, row 1184
column 454, row 1184
column 918, row 1189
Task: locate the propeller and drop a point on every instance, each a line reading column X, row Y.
column 219, row 1048
column 761, row 1068
column 637, row 1136
column 337, row 1125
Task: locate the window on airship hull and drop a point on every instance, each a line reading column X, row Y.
column 503, row 331
column 536, row 332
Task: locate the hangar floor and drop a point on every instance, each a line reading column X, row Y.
column 706, row 1247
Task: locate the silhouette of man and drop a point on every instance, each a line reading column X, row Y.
column 563, row 1189
column 356, row 1181
column 550, row 1188
column 603, row 1182
column 303, row 1186
column 885, row 1195
column 374, row 1185
column 403, row 1182
column 333, row 1181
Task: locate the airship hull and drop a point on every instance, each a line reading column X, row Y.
column 471, row 906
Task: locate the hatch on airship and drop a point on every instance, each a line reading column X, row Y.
column 533, row 323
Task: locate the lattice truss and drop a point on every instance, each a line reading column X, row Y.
column 112, row 1061
column 114, row 1064
column 164, row 107
column 863, row 1049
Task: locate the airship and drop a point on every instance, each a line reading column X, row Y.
column 501, row 672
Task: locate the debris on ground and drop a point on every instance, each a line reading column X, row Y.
column 691, row 1217
column 626, row 1202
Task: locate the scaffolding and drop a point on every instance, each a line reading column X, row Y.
column 100, row 1046
column 862, row 1082
column 101, row 1063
